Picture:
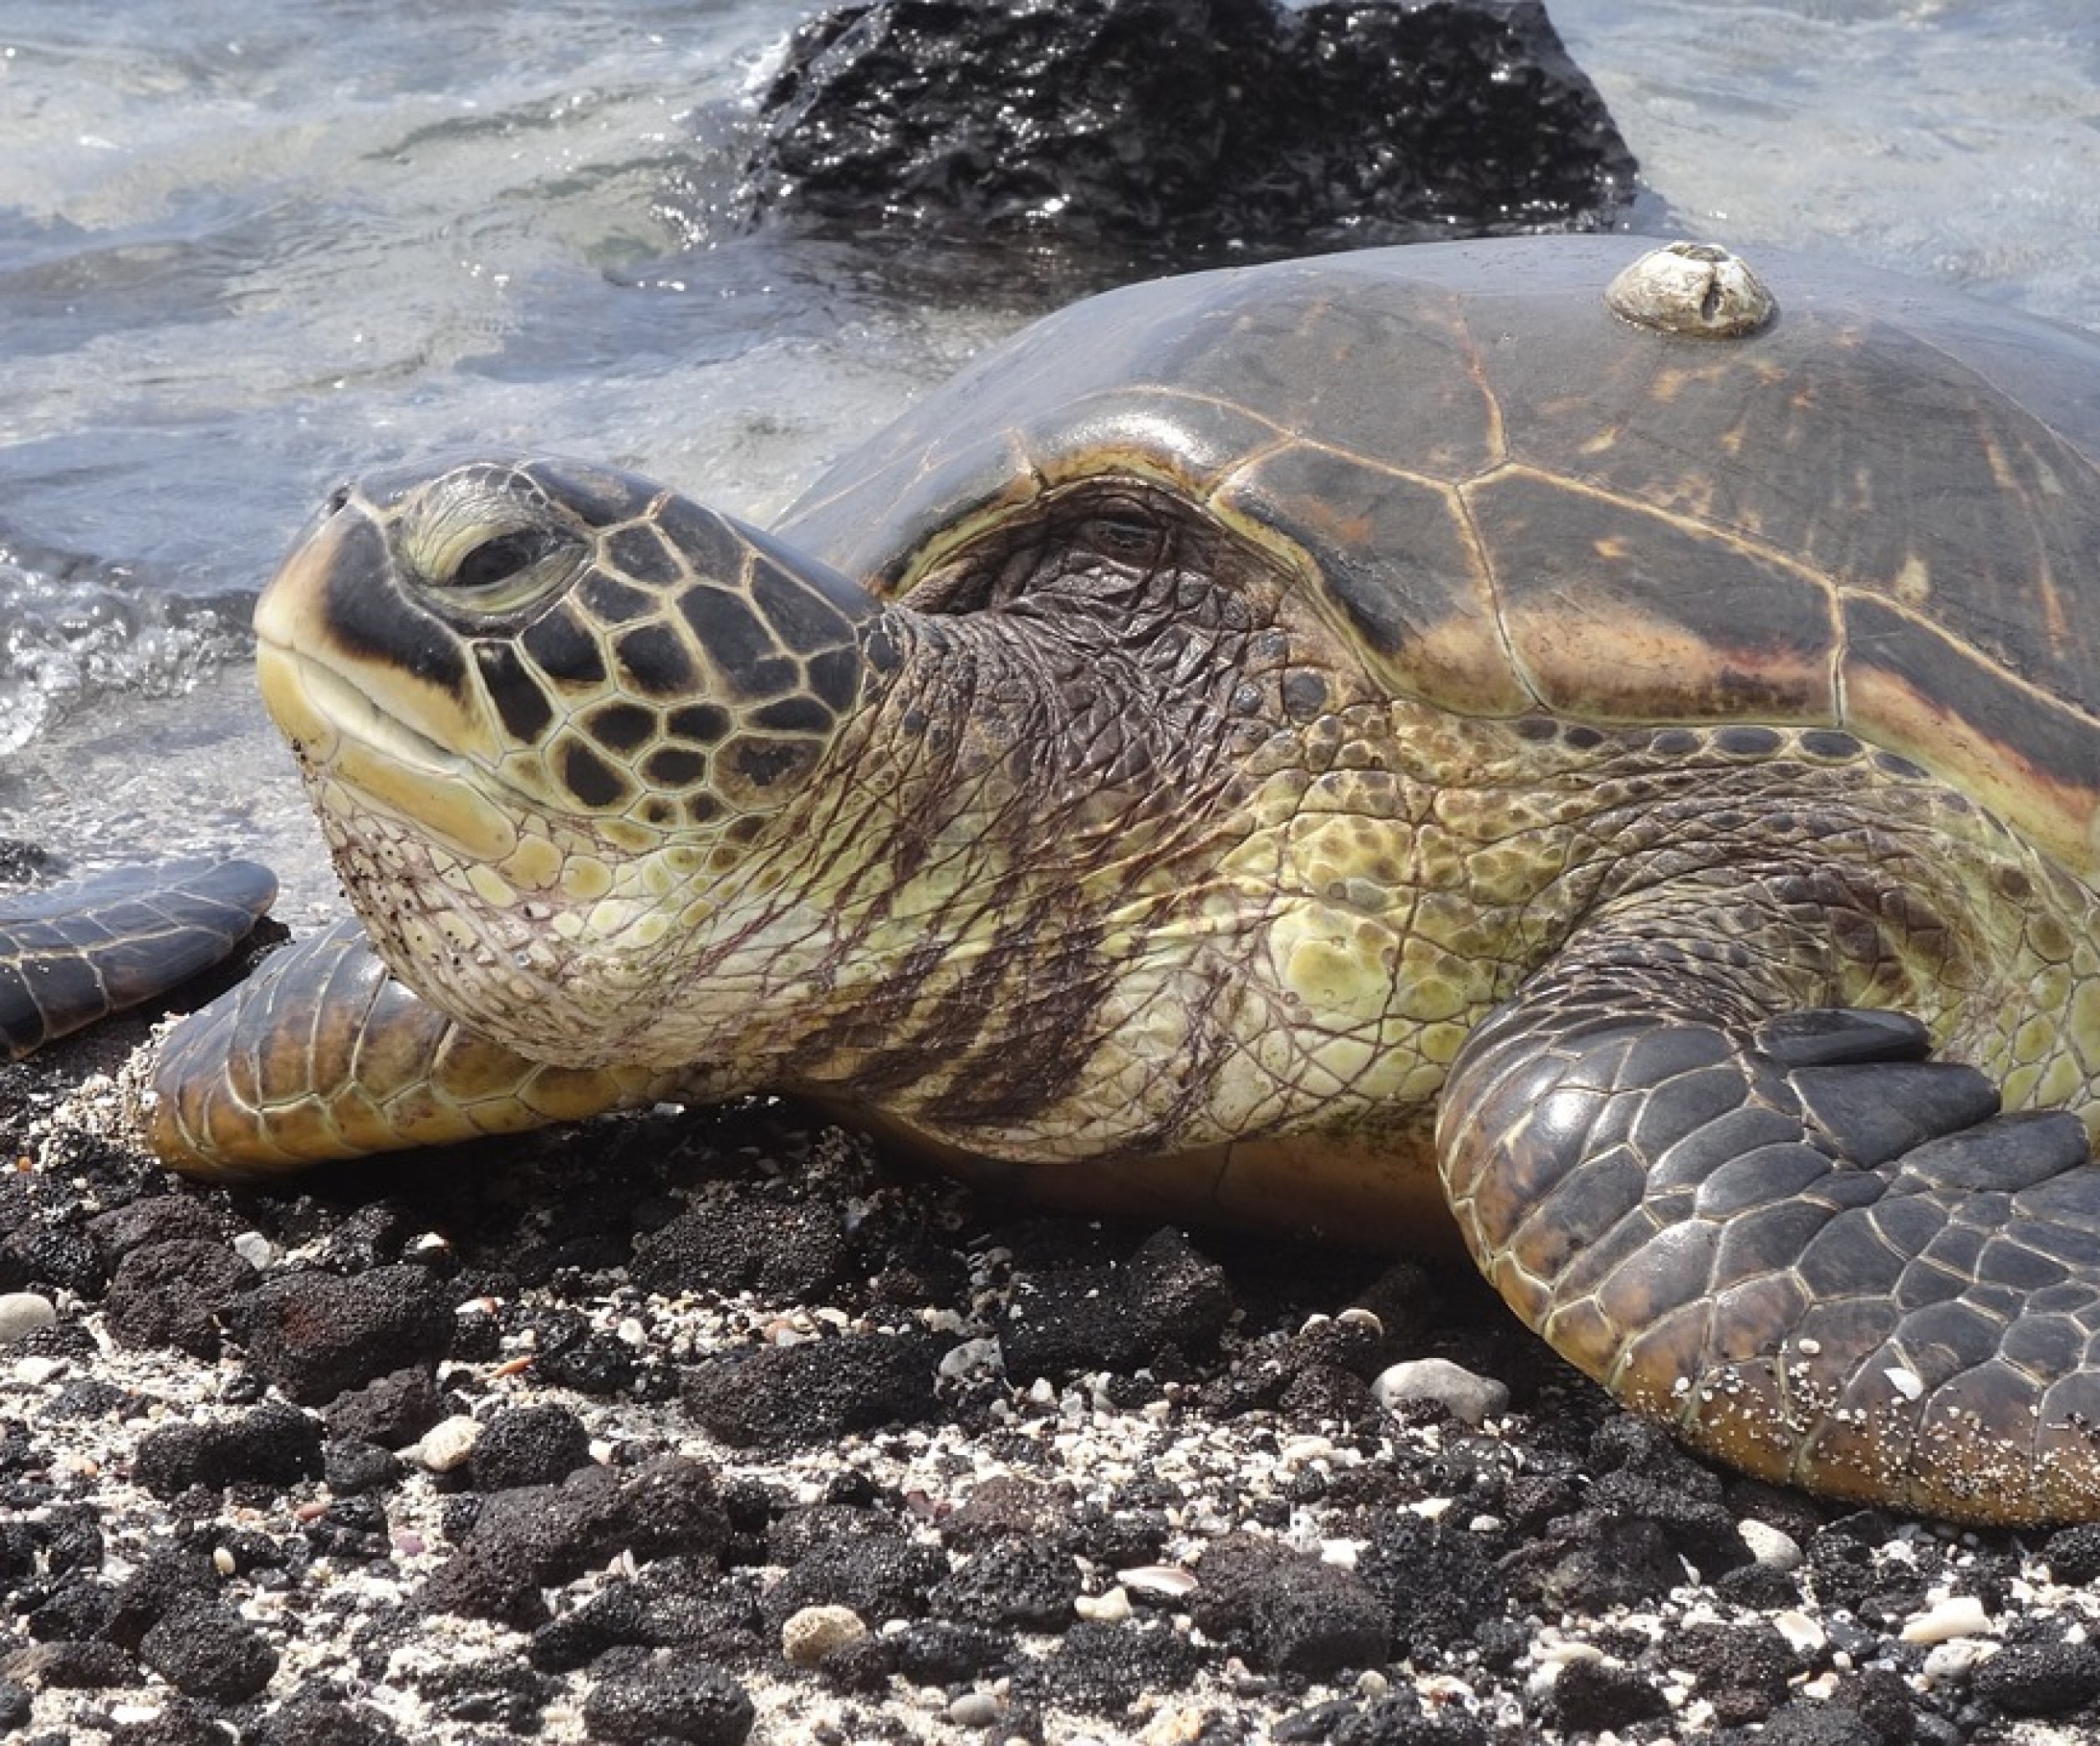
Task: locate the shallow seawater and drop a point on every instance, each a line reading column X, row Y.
column 245, row 249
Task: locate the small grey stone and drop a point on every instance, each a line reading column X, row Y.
column 21, row 1313
column 1471, row 1398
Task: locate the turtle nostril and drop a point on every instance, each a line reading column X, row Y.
column 337, row 500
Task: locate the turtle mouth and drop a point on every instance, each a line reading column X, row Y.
column 342, row 735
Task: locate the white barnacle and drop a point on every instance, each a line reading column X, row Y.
column 1908, row 1383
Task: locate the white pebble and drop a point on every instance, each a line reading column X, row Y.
column 974, row 1709
column 1803, row 1634
column 1953, row 1615
column 1110, row 1608
column 1169, row 1579
column 973, row 1357
column 1955, row 1660
column 445, row 1446
column 21, row 1313
column 813, row 1633
column 1469, row 1398
column 256, row 1249
column 35, row 1372
column 1772, row 1547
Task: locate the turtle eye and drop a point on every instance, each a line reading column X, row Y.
column 485, row 569
column 1125, row 537
column 507, row 557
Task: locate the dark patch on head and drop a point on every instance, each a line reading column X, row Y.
column 613, row 602
column 880, row 649
column 588, row 776
column 1304, row 695
column 1737, row 740
column 675, row 767
column 703, row 723
column 1828, row 743
column 1536, row 727
column 600, row 495
column 370, row 620
column 1893, row 763
column 1674, row 743
column 562, row 649
column 621, row 727
column 654, row 660
column 834, row 676
column 1582, row 738
column 709, row 543
column 794, row 715
column 656, row 812
column 2013, row 885
column 801, row 617
column 727, row 628
column 762, row 762
column 638, row 553
column 524, row 708
column 702, row 809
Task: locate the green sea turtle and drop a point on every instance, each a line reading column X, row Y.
column 1363, row 744
column 78, row 952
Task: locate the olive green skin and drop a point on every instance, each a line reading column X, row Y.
column 1334, row 742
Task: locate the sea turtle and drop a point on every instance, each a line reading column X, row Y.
column 1361, row 743
column 76, row 952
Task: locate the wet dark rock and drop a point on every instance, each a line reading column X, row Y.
column 1004, row 1507
column 660, row 1698
column 528, row 1446
column 168, row 1578
column 1437, row 1584
column 780, row 1252
column 1188, row 125
column 205, row 1649
column 273, row 1444
column 391, row 1410
column 163, row 1218
column 803, row 1397
column 314, row 1335
column 172, row 1294
column 1591, row 1696
column 1287, row 1610
column 2041, row 1679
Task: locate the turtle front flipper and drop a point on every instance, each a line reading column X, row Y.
column 323, row 1054
column 1818, row 1255
column 80, row 952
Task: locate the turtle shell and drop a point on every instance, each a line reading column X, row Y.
column 1880, row 513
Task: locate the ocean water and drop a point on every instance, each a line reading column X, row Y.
column 245, row 248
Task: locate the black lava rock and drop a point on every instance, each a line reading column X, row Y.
column 1190, row 125
column 1591, row 1695
column 805, row 1397
column 2041, row 1679
column 781, row 1252
column 274, row 1444
column 1165, row 1296
column 528, row 1446
column 391, row 1410
column 1024, row 1585
column 172, row 1294
column 312, row 1719
column 204, row 1649
column 659, row 1698
column 314, row 1335
column 1286, row 1610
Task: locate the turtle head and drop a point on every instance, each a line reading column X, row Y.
column 542, row 706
